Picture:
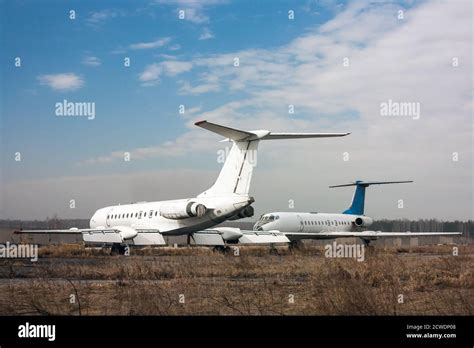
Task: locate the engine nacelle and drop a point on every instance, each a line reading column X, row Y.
column 127, row 232
column 230, row 234
column 182, row 210
column 363, row 221
column 246, row 213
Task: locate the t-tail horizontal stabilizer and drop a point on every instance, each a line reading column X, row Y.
column 358, row 200
column 241, row 135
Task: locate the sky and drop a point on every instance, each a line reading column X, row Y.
column 337, row 64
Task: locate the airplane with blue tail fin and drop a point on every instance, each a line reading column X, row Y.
column 350, row 223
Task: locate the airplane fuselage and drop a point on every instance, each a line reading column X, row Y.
column 149, row 215
column 311, row 222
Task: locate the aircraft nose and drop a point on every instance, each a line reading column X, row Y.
column 92, row 221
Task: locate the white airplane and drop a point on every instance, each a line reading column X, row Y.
column 351, row 223
column 228, row 199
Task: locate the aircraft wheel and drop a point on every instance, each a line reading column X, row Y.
column 117, row 249
column 221, row 248
column 273, row 251
column 295, row 245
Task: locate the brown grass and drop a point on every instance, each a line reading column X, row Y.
column 150, row 282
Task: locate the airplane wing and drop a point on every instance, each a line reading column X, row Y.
column 232, row 235
column 118, row 234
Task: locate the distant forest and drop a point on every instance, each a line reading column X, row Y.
column 431, row 225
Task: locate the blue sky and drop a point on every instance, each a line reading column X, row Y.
column 48, row 42
column 190, row 62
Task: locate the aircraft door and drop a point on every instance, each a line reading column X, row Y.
column 107, row 218
column 300, row 222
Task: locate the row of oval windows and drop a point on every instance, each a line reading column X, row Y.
column 328, row 223
column 130, row 215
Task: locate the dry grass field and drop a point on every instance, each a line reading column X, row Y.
column 72, row 280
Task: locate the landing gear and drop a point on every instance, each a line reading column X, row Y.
column 118, row 249
column 366, row 242
column 273, row 250
column 295, row 245
column 221, row 248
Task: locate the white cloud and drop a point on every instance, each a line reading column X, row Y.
column 206, row 34
column 97, row 18
column 187, row 88
column 173, row 67
column 194, row 10
column 91, row 61
column 201, row 89
column 149, row 45
column 195, row 15
column 150, row 76
column 62, row 82
column 174, row 47
column 193, row 142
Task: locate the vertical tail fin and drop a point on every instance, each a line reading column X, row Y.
column 236, row 173
column 358, row 200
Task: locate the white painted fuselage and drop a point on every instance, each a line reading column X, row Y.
column 311, row 222
column 148, row 215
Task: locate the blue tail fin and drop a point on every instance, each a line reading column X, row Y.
column 358, row 201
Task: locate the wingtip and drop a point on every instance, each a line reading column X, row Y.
column 199, row 122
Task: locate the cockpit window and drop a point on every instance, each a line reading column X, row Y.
column 265, row 219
